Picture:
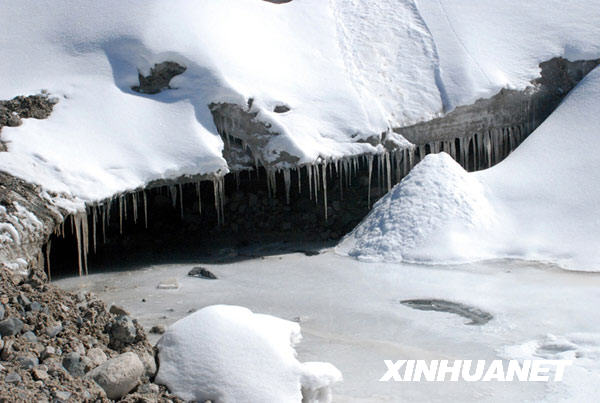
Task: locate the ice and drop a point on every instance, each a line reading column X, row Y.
column 539, row 203
column 351, row 315
column 230, row 354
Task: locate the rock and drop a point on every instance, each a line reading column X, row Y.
column 1, row 344
column 201, row 272
column 159, row 78
column 119, row 311
column 149, row 389
column 157, row 329
column 24, row 301
column 2, row 311
column 281, row 109
column 27, row 361
column 96, row 356
column 168, row 284
column 10, row 327
column 40, row 373
column 12, row 377
column 62, row 395
column 149, row 364
column 72, row 363
column 53, row 330
column 49, row 351
column 119, row 375
column 122, row 331
column 30, row 336
column 35, row 306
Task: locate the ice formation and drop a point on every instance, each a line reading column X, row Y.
column 230, row 354
column 539, row 203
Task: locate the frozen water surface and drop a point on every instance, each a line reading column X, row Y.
column 351, row 316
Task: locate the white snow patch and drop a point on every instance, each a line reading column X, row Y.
column 425, row 217
column 230, row 354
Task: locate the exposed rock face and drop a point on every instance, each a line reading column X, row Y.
column 28, row 216
column 21, row 107
column 503, row 121
column 159, row 78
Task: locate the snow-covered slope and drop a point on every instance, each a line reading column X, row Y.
column 229, row 354
column 540, row 203
column 348, row 69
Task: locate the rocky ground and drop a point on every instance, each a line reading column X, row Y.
column 59, row 347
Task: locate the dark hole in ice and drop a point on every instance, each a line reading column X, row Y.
column 281, row 109
column 475, row 315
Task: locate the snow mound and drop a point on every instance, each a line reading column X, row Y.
column 540, row 203
column 230, row 354
column 424, row 217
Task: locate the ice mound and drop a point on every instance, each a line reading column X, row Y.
column 424, row 217
column 230, row 354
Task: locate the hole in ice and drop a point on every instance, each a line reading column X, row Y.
column 475, row 315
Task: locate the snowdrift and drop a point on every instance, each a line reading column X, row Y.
column 229, row 354
column 540, row 203
column 347, row 70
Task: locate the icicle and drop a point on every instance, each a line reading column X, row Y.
column 340, row 169
column 48, row 246
column 86, row 239
column 199, row 194
column 317, row 180
column 120, row 215
column 288, row 183
column 181, row 200
column 104, row 223
column 309, row 174
column 324, row 168
column 222, row 198
column 173, row 193
column 145, row 209
column 78, row 240
column 135, row 203
column 94, row 219
column 370, row 167
column 125, row 206
column 388, row 168
column 299, row 175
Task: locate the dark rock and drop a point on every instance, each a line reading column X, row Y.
column 72, row 362
column 281, row 109
column 201, row 272
column 122, row 331
column 157, row 329
column 10, row 327
column 159, row 78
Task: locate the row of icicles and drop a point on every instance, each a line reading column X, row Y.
column 479, row 151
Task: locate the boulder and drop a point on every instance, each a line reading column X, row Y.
column 119, row 375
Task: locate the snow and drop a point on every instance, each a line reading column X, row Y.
column 348, row 69
column 540, row 203
column 351, row 316
column 229, row 354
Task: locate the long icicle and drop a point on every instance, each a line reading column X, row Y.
column 181, row 200
column 370, row 167
column 324, row 168
column 199, row 194
column 145, row 208
column 78, row 240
